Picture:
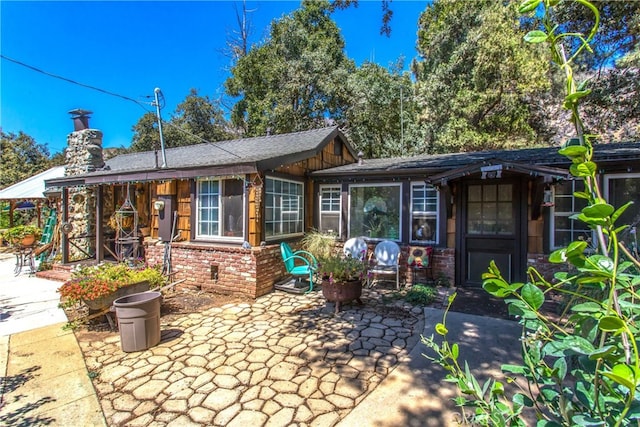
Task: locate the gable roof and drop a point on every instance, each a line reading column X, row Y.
column 238, row 156
column 32, row 187
column 439, row 163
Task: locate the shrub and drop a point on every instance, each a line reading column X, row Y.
column 421, row 295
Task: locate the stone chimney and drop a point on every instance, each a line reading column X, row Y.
column 83, row 155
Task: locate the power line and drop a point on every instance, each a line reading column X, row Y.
column 141, row 104
column 46, row 73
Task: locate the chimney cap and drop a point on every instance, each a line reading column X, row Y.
column 80, row 112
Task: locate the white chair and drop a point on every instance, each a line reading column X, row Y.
column 386, row 257
column 356, row 248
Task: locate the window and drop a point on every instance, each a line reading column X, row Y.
column 424, row 213
column 330, row 208
column 567, row 230
column 283, row 208
column 620, row 189
column 220, row 208
column 374, row 211
column 490, row 209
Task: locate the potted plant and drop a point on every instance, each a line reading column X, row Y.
column 25, row 235
column 342, row 278
column 98, row 286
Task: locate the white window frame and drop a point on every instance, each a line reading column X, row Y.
column 220, row 236
column 553, row 214
column 631, row 233
column 374, row 185
column 435, row 214
column 325, row 189
column 299, row 213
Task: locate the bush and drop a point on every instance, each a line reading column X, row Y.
column 421, row 295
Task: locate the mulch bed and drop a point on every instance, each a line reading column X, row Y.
column 479, row 302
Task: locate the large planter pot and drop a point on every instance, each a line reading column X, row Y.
column 106, row 301
column 28, row 240
column 339, row 292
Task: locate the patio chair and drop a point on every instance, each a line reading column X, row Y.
column 385, row 260
column 356, row 247
column 299, row 263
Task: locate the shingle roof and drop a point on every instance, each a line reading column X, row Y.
column 434, row 163
column 233, row 156
column 291, row 147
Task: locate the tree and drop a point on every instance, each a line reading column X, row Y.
column 381, row 115
column 475, row 78
column 20, row 157
column 295, row 80
column 197, row 119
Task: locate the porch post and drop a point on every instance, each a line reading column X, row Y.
column 64, row 241
column 99, row 224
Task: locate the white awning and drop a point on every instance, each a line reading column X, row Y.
column 33, row 187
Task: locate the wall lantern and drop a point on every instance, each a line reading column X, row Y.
column 547, row 199
column 494, row 171
column 158, row 205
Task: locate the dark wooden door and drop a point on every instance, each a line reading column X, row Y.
column 491, row 228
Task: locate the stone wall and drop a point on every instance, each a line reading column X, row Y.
column 83, row 154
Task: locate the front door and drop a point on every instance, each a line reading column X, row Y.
column 491, row 228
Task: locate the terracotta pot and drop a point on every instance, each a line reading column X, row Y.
column 28, row 240
column 339, row 292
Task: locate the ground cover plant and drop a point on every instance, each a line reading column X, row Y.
column 582, row 368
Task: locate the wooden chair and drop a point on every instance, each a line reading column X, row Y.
column 385, row 260
column 299, row 263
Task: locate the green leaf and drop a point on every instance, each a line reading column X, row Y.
column 599, row 210
column 497, row 389
column 602, row 352
column 611, row 324
column 535, row 36
column 620, row 211
column 496, row 287
column 587, row 421
column 567, row 346
column 577, row 95
column 573, row 151
column 532, row 295
column 560, row 366
column 582, row 169
column 441, row 329
column 514, row 369
column 623, row 375
column 522, row 400
column 455, row 351
column 581, row 195
column 587, row 307
column 528, row 6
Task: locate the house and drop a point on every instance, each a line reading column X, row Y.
column 215, row 213
column 218, row 210
column 510, row 206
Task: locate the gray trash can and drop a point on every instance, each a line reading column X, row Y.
column 138, row 320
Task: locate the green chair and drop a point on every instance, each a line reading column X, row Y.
column 299, row 263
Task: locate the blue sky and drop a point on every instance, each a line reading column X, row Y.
column 130, row 48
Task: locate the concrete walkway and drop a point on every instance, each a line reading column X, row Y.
column 44, row 377
column 284, row 360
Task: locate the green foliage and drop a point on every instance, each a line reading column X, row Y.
column 582, row 368
column 421, row 295
column 197, row 119
column 20, row 157
column 381, row 118
column 17, row 233
column 476, row 78
column 340, row 268
column 91, row 282
column 296, row 79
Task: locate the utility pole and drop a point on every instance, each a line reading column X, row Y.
column 157, row 92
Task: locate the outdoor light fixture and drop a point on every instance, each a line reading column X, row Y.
column 494, row 171
column 547, row 199
column 158, row 205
